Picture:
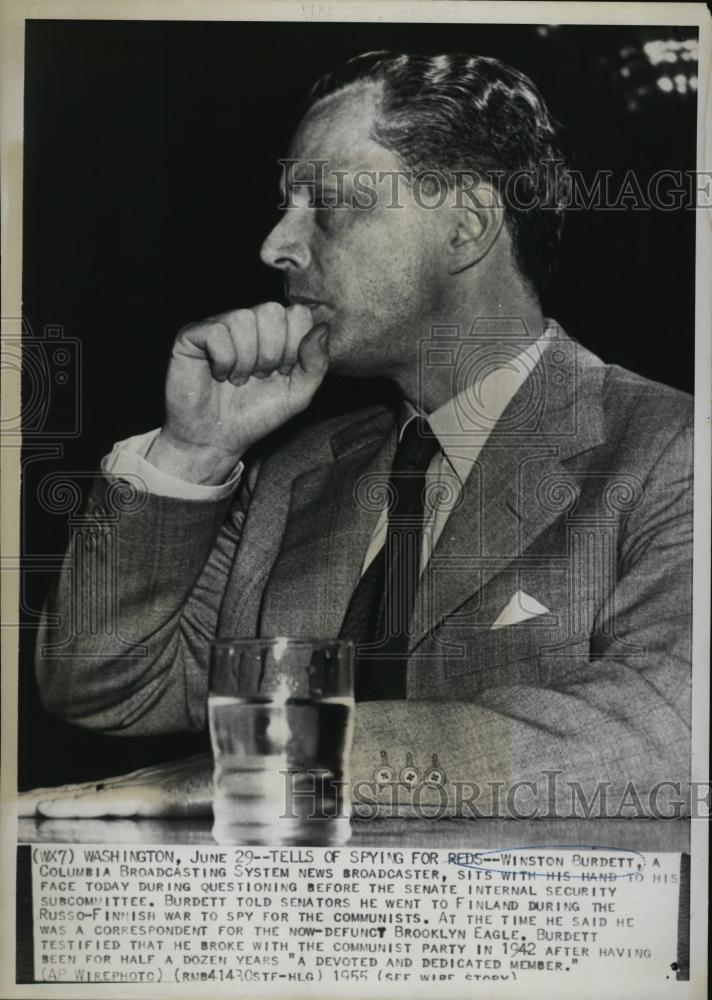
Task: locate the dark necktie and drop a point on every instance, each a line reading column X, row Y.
column 379, row 614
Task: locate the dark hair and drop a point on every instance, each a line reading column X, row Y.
column 471, row 114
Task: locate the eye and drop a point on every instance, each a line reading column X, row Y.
column 327, row 198
column 330, row 216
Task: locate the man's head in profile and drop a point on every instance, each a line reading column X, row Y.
column 418, row 190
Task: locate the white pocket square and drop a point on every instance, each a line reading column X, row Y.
column 519, row 608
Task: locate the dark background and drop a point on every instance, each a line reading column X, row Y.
column 150, row 172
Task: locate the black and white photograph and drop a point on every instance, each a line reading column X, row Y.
column 356, row 383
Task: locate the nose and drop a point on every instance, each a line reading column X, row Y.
column 287, row 247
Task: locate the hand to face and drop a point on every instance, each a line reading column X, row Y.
column 231, row 380
column 178, row 788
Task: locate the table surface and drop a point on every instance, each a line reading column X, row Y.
column 671, row 836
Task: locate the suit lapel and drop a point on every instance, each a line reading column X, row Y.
column 519, row 485
column 333, row 511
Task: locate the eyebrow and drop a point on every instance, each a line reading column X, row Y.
column 316, row 188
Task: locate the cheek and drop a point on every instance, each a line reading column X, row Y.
column 384, row 288
column 376, row 266
column 392, row 269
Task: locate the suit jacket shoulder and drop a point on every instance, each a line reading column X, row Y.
column 642, row 417
column 655, row 400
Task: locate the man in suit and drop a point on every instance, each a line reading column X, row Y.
column 545, row 623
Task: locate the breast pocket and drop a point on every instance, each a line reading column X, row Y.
column 523, row 652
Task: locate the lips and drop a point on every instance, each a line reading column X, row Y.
column 305, row 300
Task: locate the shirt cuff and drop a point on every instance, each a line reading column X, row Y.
column 127, row 458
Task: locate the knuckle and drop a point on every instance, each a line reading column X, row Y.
column 299, row 317
column 215, row 332
column 271, row 312
column 187, row 329
column 270, row 352
column 298, row 309
column 244, row 317
column 201, row 324
column 207, row 332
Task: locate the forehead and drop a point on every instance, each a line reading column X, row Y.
column 339, row 129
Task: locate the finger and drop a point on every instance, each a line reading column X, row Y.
column 212, row 342
column 183, row 786
column 242, row 326
column 299, row 323
column 105, row 803
column 313, row 359
column 89, row 831
column 129, row 803
column 27, row 801
column 271, row 337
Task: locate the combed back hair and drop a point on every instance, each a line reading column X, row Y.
column 478, row 116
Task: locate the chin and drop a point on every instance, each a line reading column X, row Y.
column 356, row 366
column 347, row 354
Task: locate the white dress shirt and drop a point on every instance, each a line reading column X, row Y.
column 128, row 458
column 461, row 425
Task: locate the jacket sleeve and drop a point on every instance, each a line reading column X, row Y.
column 127, row 628
column 611, row 725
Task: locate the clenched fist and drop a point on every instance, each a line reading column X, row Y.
column 231, row 380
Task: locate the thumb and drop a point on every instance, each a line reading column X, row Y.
column 107, row 802
column 314, row 352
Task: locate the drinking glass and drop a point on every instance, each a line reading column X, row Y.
column 281, row 722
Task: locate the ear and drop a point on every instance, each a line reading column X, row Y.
column 476, row 222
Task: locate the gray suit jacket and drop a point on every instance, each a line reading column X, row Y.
column 581, row 499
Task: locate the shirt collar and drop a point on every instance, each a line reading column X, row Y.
column 463, row 423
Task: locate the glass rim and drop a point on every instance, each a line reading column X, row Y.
column 223, row 642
